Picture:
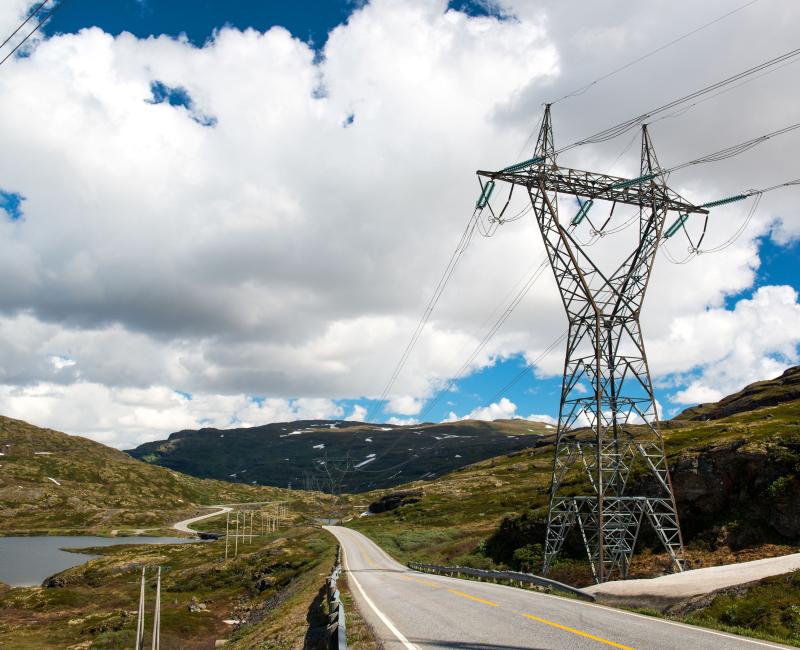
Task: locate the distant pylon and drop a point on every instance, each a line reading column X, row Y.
column 605, row 349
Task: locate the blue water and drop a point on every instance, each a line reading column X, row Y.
column 28, row 561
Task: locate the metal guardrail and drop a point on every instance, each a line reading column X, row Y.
column 337, row 632
column 508, row 576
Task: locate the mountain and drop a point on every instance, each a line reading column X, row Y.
column 51, row 480
column 762, row 393
column 337, row 455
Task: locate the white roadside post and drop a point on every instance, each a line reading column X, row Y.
column 236, row 538
column 157, row 614
column 140, row 619
column 227, row 525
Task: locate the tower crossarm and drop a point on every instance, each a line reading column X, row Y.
column 630, row 191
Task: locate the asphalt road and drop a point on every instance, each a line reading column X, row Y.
column 409, row 610
column 184, row 526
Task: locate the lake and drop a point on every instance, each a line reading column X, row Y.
column 27, row 561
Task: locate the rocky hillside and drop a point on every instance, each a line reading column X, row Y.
column 337, row 455
column 762, row 393
column 51, row 480
column 735, row 478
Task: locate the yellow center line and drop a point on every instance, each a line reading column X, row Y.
column 475, row 598
column 422, row 582
column 365, row 554
column 578, row 632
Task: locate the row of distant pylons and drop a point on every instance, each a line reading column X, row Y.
column 240, row 524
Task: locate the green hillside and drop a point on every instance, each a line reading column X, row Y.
column 365, row 456
column 54, row 481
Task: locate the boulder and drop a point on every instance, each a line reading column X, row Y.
column 395, row 500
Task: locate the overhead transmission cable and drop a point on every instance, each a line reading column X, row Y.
column 694, row 249
column 618, row 129
column 462, row 245
column 530, row 366
column 399, row 466
column 733, row 150
column 685, row 109
column 586, row 87
column 38, row 26
column 33, row 12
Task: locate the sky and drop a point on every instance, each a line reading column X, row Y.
column 227, row 214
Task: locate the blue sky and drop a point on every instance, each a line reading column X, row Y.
column 310, row 21
column 197, row 19
column 212, row 275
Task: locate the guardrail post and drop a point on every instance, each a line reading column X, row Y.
column 337, row 631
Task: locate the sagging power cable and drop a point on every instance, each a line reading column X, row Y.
column 695, row 248
column 581, row 90
column 38, row 26
column 33, row 13
column 618, row 129
column 462, row 245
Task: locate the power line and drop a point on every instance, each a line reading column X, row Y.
column 695, row 249
column 24, row 22
column 734, row 150
column 684, row 110
column 722, row 154
column 614, row 131
column 522, row 373
column 32, row 32
column 583, row 89
column 486, row 338
column 463, row 243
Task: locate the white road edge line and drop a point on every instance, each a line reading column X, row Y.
column 380, row 614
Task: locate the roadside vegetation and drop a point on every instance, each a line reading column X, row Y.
column 768, row 609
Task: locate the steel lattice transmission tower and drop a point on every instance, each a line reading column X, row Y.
column 606, row 433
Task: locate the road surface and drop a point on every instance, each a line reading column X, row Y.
column 184, row 526
column 410, row 610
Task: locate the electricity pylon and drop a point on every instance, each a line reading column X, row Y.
column 605, row 349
